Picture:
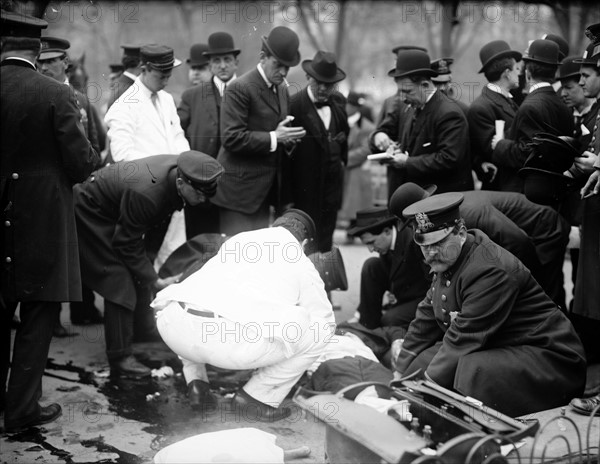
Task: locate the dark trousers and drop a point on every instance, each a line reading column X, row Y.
column 84, row 309
column 201, row 219
column 30, row 353
column 234, row 222
column 118, row 330
column 374, row 282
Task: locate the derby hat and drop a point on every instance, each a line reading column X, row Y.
column 323, row 68
column 591, row 56
column 15, row 24
column 543, row 51
column 283, row 44
column 563, row 45
column 411, row 63
column 371, row 218
column 569, row 69
column 160, row 57
column 53, row 47
column 221, row 43
column 407, row 194
column 395, row 50
column 434, row 217
column 442, row 67
column 494, row 50
column 197, row 57
column 330, row 266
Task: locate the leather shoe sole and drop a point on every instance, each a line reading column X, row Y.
column 47, row 414
column 200, row 396
column 253, row 410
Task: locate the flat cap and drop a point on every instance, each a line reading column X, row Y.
column 159, row 57
column 434, row 217
column 53, row 47
column 21, row 25
column 200, row 170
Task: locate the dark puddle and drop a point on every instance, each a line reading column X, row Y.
column 34, row 435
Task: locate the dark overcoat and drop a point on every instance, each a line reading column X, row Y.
column 44, row 152
column 118, row 88
column 503, row 341
column 541, row 111
column 115, row 207
column 317, row 187
column 249, row 111
column 198, row 113
column 483, row 113
column 437, row 143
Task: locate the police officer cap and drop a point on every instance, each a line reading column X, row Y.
column 53, row 47
column 200, row 170
column 434, row 217
column 298, row 216
column 21, row 25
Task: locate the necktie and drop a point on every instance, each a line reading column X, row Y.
column 320, row 105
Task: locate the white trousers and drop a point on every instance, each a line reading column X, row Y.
column 232, row 345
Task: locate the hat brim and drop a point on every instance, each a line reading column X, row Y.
column 288, row 63
column 308, row 68
column 432, row 237
column 557, row 175
column 222, row 51
column 572, row 75
column 50, row 55
column 588, row 61
column 197, row 63
column 537, row 60
column 427, row 72
column 505, row 54
column 442, row 78
column 356, row 231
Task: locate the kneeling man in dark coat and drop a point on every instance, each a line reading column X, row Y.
column 486, row 328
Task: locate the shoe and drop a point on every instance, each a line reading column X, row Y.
column 200, row 396
column 59, row 331
column 253, row 410
column 586, row 405
column 47, row 414
column 129, row 367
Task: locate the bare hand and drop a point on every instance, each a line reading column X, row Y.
column 586, row 161
column 163, row 283
column 592, row 186
column 488, row 167
column 287, row 134
column 398, row 158
column 382, row 141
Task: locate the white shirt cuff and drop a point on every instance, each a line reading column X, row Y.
column 273, row 141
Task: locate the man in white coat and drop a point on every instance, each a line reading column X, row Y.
column 258, row 304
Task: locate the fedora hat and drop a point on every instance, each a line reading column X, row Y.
column 563, row 45
column 53, row 47
column 407, row 194
column 197, row 57
column 221, row 43
column 283, row 44
column 159, row 57
column 494, row 50
column 543, row 51
column 371, row 218
column 569, row 69
column 410, row 63
column 323, row 68
column 330, row 266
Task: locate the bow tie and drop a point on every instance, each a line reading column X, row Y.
column 319, row 105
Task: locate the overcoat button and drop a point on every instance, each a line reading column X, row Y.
column 444, row 298
column 7, row 223
column 15, row 175
column 8, row 260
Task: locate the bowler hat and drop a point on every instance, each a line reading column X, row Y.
column 330, row 266
column 435, row 217
column 442, row 67
column 494, row 50
column 569, row 69
column 591, row 56
column 283, row 44
column 543, row 51
column 197, row 57
column 563, row 45
column 412, row 63
column 220, row 43
column 371, row 218
column 15, row 24
column 200, row 170
column 159, row 57
column 53, row 47
column 323, row 68
column 407, row 194
column 395, row 50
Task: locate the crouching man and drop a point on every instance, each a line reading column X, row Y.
column 486, row 328
column 258, row 304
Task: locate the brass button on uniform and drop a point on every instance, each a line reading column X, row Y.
column 444, row 298
column 8, row 260
column 447, row 283
column 444, row 310
column 6, row 223
column 15, row 175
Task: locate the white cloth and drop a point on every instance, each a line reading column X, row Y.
column 273, row 308
column 136, row 130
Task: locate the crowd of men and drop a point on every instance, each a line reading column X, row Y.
column 472, row 279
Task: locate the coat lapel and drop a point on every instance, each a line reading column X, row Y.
column 314, row 122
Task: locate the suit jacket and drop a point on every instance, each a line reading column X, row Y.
column 541, row 111
column 87, row 119
column 115, row 207
column 437, row 142
column 44, row 152
column 315, row 187
column 249, row 111
column 136, row 129
column 118, row 88
column 199, row 113
column 489, row 107
column 495, row 325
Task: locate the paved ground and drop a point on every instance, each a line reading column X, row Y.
column 127, row 422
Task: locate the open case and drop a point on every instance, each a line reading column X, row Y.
column 449, row 428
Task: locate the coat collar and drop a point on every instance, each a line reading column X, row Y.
column 507, row 105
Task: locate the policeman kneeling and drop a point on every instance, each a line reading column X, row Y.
column 486, row 328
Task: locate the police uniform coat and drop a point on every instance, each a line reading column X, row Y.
column 541, row 111
column 317, row 187
column 249, row 111
column 199, row 112
column 115, row 207
column 489, row 107
column 88, row 120
column 44, row 152
column 437, row 142
column 503, row 341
